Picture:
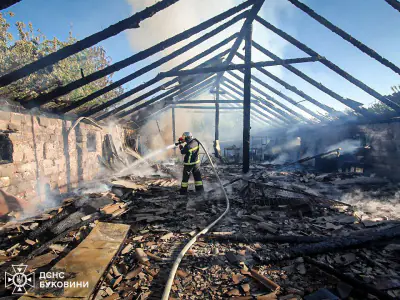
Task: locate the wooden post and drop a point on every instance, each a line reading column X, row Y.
column 216, row 142
column 247, row 99
column 173, row 128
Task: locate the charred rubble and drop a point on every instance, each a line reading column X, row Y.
column 311, row 209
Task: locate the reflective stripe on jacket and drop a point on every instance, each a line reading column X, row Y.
column 191, row 152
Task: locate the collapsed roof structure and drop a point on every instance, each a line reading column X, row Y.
column 210, row 75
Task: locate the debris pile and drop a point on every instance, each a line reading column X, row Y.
column 287, row 236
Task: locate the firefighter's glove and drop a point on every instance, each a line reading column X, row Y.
column 180, row 147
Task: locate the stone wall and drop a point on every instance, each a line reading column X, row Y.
column 385, row 152
column 45, row 156
column 384, row 139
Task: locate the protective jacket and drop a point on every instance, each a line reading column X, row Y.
column 191, row 152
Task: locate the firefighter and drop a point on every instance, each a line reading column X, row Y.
column 191, row 163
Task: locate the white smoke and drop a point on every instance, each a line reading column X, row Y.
column 177, row 18
column 370, row 207
column 347, row 146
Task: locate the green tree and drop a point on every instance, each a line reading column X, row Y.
column 32, row 45
column 380, row 108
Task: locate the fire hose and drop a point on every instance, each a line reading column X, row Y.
column 178, row 260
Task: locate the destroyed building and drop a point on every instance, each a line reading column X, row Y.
column 302, row 197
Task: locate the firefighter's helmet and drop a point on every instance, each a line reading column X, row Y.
column 187, row 136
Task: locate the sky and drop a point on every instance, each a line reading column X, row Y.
column 373, row 22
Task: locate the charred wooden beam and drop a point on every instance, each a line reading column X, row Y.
column 394, row 3
column 159, row 62
column 268, row 117
column 255, row 112
column 297, row 91
column 54, row 94
column 206, row 107
column 343, row 34
column 274, row 110
column 208, row 102
column 278, row 118
column 247, row 97
column 223, row 68
column 173, row 128
column 157, row 79
column 270, row 98
column 193, row 94
column 235, row 47
column 282, row 95
column 128, row 23
column 145, row 85
column 330, row 65
column 7, row 3
column 168, row 95
column 361, row 285
column 356, row 106
column 216, row 134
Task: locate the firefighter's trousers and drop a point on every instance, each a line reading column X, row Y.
column 198, row 183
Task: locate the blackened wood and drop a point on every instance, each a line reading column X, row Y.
column 173, row 128
column 158, row 63
column 349, row 103
column 293, row 239
column 394, row 3
column 269, row 97
column 349, row 280
column 131, row 22
column 247, row 98
column 296, row 90
column 223, row 67
column 337, row 244
column 265, row 117
column 256, row 114
column 271, row 108
column 235, row 47
column 144, row 96
column 7, row 3
column 277, row 118
column 45, row 98
column 330, row 65
column 343, row 34
column 216, row 137
column 206, row 107
column 157, row 79
column 282, row 95
column 170, row 94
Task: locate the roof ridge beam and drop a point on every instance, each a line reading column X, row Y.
column 235, row 47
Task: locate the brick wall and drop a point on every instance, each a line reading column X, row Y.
column 45, row 157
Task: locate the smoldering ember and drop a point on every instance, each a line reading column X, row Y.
column 186, row 149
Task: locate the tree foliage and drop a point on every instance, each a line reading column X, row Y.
column 380, row 108
column 31, row 45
